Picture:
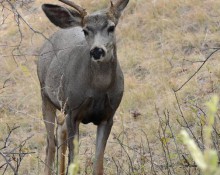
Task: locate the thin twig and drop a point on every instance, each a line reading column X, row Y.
column 216, row 50
column 8, row 163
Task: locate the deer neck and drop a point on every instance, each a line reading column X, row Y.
column 103, row 74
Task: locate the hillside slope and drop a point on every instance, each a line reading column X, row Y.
column 161, row 43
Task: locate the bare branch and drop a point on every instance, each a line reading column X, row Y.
column 216, row 50
column 8, row 163
column 9, row 134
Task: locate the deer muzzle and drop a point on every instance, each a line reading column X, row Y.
column 97, row 53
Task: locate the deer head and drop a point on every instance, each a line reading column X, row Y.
column 98, row 27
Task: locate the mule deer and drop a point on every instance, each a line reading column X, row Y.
column 79, row 72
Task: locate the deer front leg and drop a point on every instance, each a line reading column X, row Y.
column 72, row 131
column 103, row 132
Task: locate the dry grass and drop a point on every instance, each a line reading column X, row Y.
column 159, row 43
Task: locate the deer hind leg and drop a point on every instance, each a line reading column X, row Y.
column 62, row 146
column 49, row 114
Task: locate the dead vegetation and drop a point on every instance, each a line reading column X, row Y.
column 161, row 44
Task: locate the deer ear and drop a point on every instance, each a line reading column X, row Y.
column 62, row 17
column 117, row 7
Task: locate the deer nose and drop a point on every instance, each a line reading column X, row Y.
column 96, row 53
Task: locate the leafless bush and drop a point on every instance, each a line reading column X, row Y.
column 13, row 155
column 10, row 8
column 167, row 155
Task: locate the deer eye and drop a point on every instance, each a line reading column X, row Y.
column 111, row 29
column 86, row 33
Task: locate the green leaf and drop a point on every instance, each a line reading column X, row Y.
column 165, row 140
column 25, row 70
